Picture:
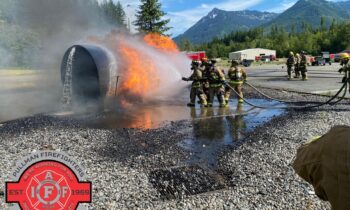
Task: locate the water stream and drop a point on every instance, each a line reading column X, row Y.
column 67, row 85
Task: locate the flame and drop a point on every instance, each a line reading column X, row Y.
column 158, row 41
column 139, row 72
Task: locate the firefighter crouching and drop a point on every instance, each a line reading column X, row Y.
column 346, row 67
column 217, row 81
column 236, row 76
column 197, row 86
column 290, row 63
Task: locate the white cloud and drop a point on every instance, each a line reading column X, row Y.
column 181, row 21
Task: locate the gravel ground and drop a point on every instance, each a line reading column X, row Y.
column 127, row 165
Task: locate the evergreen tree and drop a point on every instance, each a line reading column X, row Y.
column 120, row 15
column 149, row 18
column 114, row 13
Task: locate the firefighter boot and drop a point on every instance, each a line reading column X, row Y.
column 305, row 78
column 222, row 101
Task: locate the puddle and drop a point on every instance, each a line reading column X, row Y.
column 210, row 135
column 212, row 128
column 152, row 117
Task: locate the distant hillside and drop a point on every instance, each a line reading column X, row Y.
column 219, row 22
column 345, row 5
column 310, row 12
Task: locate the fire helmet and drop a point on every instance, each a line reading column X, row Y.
column 344, row 56
column 205, row 59
column 195, row 63
column 213, row 61
column 234, row 63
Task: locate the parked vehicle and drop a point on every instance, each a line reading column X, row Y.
column 196, row 55
column 327, row 58
column 319, row 61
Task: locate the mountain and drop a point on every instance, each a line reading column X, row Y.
column 219, row 22
column 311, row 12
column 344, row 4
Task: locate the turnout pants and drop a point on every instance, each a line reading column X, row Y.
column 198, row 92
column 238, row 87
column 289, row 70
column 297, row 70
column 303, row 71
column 219, row 91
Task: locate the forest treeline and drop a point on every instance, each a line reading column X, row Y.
column 334, row 38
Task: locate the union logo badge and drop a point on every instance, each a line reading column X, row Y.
column 48, row 180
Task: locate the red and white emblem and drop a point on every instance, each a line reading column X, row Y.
column 48, row 185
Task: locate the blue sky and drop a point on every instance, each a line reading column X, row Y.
column 184, row 13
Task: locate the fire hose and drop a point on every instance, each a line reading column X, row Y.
column 291, row 102
column 319, row 104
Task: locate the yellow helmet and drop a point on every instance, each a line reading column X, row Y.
column 344, row 56
column 291, row 53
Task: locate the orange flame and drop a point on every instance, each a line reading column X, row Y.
column 139, row 72
column 161, row 42
column 137, row 68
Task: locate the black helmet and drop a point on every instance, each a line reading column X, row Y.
column 213, row 61
column 195, row 63
column 234, row 63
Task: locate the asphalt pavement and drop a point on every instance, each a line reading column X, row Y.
column 322, row 79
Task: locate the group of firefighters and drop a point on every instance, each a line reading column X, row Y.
column 209, row 81
column 299, row 62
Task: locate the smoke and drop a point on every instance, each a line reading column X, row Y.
column 35, row 34
column 47, row 28
column 150, row 67
column 59, row 24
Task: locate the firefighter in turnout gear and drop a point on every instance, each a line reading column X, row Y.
column 217, row 81
column 302, row 66
column 197, row 86
column 236, row 76
column 346, row 67
column 290, row 63
column 297, row 65
column 205, row 67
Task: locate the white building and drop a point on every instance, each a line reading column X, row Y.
column 251, row 54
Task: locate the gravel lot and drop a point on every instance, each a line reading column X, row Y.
column 127, row 165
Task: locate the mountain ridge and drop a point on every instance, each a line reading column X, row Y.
column 218, row 23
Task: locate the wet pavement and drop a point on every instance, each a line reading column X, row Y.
column 211, row 129
column 225, row 127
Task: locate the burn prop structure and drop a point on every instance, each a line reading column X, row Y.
column 89, row 76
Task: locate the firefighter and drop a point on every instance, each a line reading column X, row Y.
column 196, row 88
column 324, row 163
column 302, row 66
column 290, row 63
column 297, row 65
column 205, row 67
column 217, row 81
column 346, row 67
column 236, row 76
